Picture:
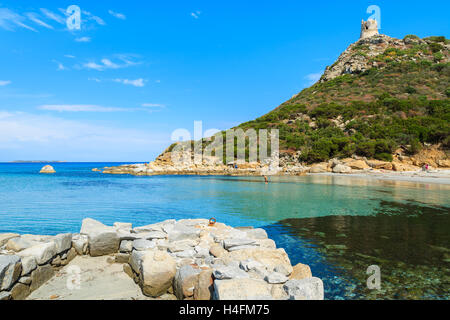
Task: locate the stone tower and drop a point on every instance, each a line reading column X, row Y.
column 369, row 28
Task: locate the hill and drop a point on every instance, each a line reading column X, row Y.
column 380, row 95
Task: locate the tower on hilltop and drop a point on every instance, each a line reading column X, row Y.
column 369, row 28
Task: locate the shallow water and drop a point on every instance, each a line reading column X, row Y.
column 338, row 225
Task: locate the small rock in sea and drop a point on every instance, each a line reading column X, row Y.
column 47, row 169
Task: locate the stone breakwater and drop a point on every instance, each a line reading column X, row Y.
column 188, row 259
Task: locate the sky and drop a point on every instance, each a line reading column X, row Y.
column 135, row 71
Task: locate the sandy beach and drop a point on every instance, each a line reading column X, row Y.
column 433, row 176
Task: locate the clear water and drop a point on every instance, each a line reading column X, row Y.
column 337, row 225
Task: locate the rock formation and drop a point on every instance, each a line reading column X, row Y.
column 48, row 169
column 186, row 259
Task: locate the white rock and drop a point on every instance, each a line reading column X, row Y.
column 103, row 240
column 259, row 234
column 80, row 243
column 276, row 277
column 182, row 232
column 43, row 252
column 28, row 264
column 5, row 237
column 126, row 246
column 63, row 242
column 136, row 260
column 242, row 289
column 305, row 289
column 142, row 245
column 229, row 272
column 123, row 226
column 232, row 242
column 10, row 269
column 158, row 270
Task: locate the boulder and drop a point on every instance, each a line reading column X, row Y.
column 122, row 258
column 185, row 280
column 340, row 168
column 158, row 270
column 230, row 243
column 217, row 250
column 319, row 168
column 270, row 258
column 20, row 291
column 10, row 270
column 103, row 240
column 80, row 243
column 300, row 271
column 143, row 245
column 401, row 167
column 126, row 246
column 63, row 242
column 28, row 264
column 123, row 226
column 357, row 164
column 47, row 169
column 259, row 234
column 5, row 237
column 40, row 276
column 5, row 295
column 377, row 164
column 276, row 277
column 136, row 260
column 444, row 163
column 43, row 252
column 183, row 232
column 242, row 289
column 305, row 289
column 18, row 244
column 204, row 288
column 229, row 272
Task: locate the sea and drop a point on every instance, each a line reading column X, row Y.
column 340, row 226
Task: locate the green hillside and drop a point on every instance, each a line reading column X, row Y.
column 381, row 94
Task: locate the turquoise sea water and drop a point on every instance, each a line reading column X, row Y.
column 337, row 225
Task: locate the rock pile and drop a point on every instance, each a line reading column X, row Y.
column 191, row 259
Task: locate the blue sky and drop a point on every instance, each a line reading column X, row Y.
column 136, row 71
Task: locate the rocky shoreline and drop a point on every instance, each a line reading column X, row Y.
column 186, row 259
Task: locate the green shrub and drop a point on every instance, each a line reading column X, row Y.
column 435, row 47
column 411, row 36
column 410, row 90
column 384, row 157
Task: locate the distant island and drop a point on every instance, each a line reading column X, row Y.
column 37, row 161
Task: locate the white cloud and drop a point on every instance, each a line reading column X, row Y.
column 137, row 83
column 196, row 14
column 61, row 67
column 109, row 64
column 33, row 17
column 90, row 16
column 83, row 39
column 95, row 79
column 104, row 64
column 153, row 105
column 33, row 136
column 9, row 20
column 53, row 16
column 80, row 108
column 4, row 83
column 69, row 56
column 313, row 77
column 117, row 15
